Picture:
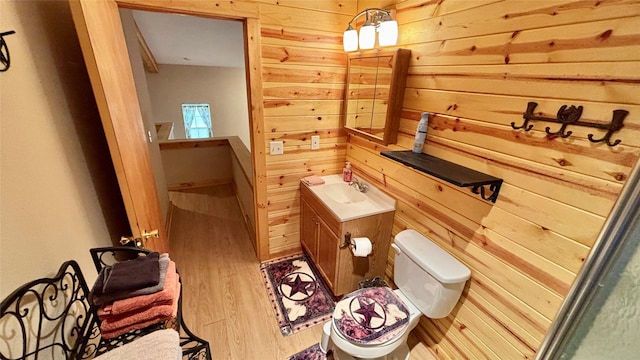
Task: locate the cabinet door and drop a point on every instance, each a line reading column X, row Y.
column 328, row 244
column 309, row 229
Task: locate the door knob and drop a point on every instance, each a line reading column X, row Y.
column 130, row 240
column 147, row 234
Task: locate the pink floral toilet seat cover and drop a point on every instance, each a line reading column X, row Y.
column 371, row 316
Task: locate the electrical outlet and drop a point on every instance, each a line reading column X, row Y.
column 315, row 142
column 276, row 147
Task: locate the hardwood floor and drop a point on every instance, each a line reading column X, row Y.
column 224, row 300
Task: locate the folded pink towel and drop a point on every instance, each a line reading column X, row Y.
column 126, row 329
column 164, row 297
column 313, row 180
column 115, row 325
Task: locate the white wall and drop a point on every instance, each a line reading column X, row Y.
column 223, row 88
column 58, row 191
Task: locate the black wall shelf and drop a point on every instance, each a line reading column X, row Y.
column 450, row 172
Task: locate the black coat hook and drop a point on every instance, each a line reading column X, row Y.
column 614, row 125
column 566, row 116
column 5, row 58
column 571, row 116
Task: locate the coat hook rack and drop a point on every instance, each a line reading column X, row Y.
column 571, row 116
column 5, row 59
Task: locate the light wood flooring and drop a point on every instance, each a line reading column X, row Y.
column 224, row 300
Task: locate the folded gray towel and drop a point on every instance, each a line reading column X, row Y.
column 130, row 275
column 97, row 298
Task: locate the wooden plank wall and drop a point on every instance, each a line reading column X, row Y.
column 303, row 73
column 475, row 65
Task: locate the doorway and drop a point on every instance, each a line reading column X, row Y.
column 185, row 66
column 102, row 40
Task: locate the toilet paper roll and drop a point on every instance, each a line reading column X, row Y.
column 361, row 246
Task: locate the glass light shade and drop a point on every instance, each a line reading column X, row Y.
column 367, row 37
column 350, row 40
column 388, row 33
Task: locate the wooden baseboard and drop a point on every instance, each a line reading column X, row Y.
column 283, row 253
column 199, row 184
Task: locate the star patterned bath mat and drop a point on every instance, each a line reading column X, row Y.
column 311, row 353
column 299, row 299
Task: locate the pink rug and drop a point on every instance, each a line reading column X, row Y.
column 299, row 300
column 311, row 353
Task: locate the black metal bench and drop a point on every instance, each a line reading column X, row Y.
column 51, row 318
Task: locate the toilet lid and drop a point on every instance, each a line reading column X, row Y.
column 371, row 316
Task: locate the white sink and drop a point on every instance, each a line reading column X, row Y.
column 347, row 203
column 343, row 193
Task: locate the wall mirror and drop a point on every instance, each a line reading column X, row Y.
column 374, row 93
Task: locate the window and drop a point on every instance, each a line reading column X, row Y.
column 197, row 121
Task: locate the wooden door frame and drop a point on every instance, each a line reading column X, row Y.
column 103, row 45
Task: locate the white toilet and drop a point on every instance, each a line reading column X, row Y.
column 374, row 323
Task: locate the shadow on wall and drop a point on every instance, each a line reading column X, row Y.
column 62, row 43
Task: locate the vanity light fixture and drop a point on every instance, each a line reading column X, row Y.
column 377, row 20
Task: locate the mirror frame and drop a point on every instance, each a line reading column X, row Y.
column 400, row 64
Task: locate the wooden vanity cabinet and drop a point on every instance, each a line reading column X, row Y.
column 322, row 233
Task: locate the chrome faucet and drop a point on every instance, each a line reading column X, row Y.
column 358, row 184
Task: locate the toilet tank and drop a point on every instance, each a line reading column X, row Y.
column 427, row 275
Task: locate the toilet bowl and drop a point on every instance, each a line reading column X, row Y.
column 374, row 323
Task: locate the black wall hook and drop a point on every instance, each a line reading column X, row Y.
column 566, row 116
column 5, row 58
column 571, row 116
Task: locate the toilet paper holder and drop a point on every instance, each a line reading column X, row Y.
column 347, row 242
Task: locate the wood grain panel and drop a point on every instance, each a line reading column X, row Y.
column 303, row 74
column 413, row 10
column 302, row 107
column 310, row 166
column 243, row 157
column 298, row 138
column 307, row 17
column 507, row 16
column 586, row 84
column 278, row 36
column 505, row 109
column 286, row 204
column 574, row 153
column 301, row 55
column 191, row 144
column 303, row 91
column 474, row 66
column 607, row 40
column 468, row 230
column 302, row 123
column 598, row 195
column 304, row 71
column 341, row 7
